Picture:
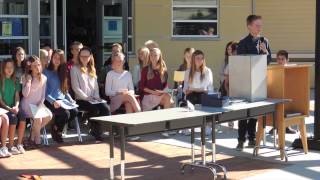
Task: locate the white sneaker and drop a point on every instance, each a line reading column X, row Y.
column 172, row 132
column 230, row 124
column 186, row 132
column 165, row 134
column 5, row 152
column 20, row 148
column 134, row 138
column 2, row 155
column 14, row 151
column 208, row 131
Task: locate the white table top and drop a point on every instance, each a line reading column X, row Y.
column 155, row 116
column 172, row 114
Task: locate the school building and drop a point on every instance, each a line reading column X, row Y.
column 175, row 24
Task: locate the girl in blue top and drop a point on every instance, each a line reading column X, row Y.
column 57, row 93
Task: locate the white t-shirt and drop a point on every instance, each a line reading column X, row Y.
column 115, row 82
column 206, row 84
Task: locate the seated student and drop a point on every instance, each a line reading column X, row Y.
column 143, row 59
column 33, row 91
column 9, row 100
column 4, row 126
column 283, row 59
column 154, row 82
column 74, row 49
column 57, row 90
column 44, row 58
column 104, row 70
column 186, row 64
column 19, row 58
column 150, row 44
column 115, row 48
column 85, row 86
column 119, row 86
column 198, row 80
column 231, row 50
column 48, row 49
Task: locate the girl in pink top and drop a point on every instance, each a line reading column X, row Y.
column 33, row 91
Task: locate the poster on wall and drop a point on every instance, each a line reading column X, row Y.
column 113, row 26
column 6, row 28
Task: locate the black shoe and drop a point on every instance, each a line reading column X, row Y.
column 289, row 130
column 252, row 144
column 239, row 146
column 98, row 138
column 55, row 135
column 271, row 131
column 71, row 128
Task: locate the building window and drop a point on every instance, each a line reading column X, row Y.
column 112, row 27
column 45, row 23
column 14, row 26
column 192, row 18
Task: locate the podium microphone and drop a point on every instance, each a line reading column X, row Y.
column 261, row 41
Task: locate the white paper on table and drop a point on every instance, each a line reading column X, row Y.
column 3, row 111
column 97, row 102
column 39, row 111
column 190, row 106
column 65, row 104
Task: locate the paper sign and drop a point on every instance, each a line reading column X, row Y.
column 67, row 105
column 6, row 28
column 39, row 111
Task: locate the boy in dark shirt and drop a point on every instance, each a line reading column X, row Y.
column 253, row 44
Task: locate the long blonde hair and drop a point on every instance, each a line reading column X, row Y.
column 146, row 53
column 90, row 66
column 193, row 68
column 161, row 66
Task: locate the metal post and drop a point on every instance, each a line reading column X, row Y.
column 122, row 145
column 314, row 143
column 125, row 30
column 111, row 152
column 317, row 76
column 35, row 28
column 64, row 24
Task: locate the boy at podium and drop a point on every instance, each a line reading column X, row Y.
column 252, row 44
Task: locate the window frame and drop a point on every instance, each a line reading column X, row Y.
column 195, row 37
column 28, row 37
column 132, row 36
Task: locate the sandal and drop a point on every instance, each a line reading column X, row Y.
column 29, row 144
column 30, row 176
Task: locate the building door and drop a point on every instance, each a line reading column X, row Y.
column 96, row 23
column 114, row 24
column 78, row 23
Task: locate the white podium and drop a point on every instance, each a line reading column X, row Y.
column 248, row 77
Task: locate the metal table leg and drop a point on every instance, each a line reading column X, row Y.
column 123, row 141
column 111, row 152
column 264, row 129
column 203, row 143
column 192, row 145
column 213, row 152
column 202, row 163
